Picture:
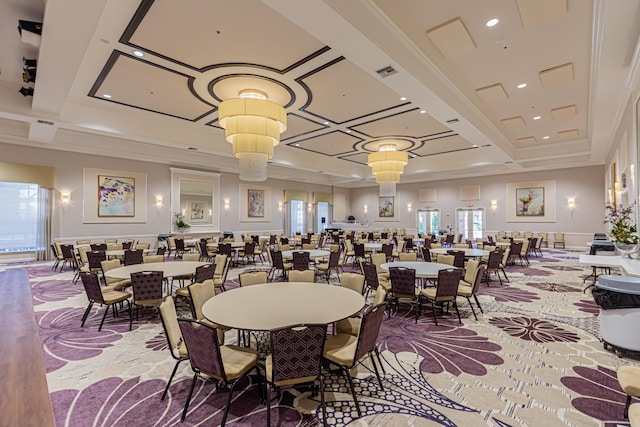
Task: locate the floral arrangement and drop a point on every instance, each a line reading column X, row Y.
column 178, row 221
column 623, row 230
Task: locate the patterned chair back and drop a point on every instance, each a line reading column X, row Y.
column 203, row 348
column 301, row 260
column 147, row 287
column 296, row 351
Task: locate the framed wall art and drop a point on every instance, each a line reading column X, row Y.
column 386, row 207
column 533, row 201
column 197, row 210
column 255, row 203
column 114, row 196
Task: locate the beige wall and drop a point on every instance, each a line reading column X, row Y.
column 579, row 223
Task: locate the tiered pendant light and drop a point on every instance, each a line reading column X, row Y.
column 387, row 164
column 253, row 126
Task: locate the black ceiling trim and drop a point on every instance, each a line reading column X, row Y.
column 346, row 158
column 310, row 73
column 137, row 18
column 410, row 140
column 113, row 58
column 437, row 136
column 324, row 134
column 443, row 152
column 306, row 59
column 229, row 76
column 321, row 126
column 361, row 117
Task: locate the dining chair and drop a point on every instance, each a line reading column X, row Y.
column 227, row 364
column 177, row 348
column 146, row 290
column 200, row 293
column 278, row 264
column 300, row 260
column 372, row 279
column 146, row 259
column 223, row 264
column 351, row 325
column 68, row 257
column 295, row 359
column 360, row 253
column 445, row 292
column 468, row 287
column 133, row 256
column 248, row 253
column 96, row 294
column 514, row 252
column 180, row 248
column 493, row 266
column 426, row 253
column 346, row 351
column 558, row 240
column 446, row 259
column 331, row 265
column 203, row 274
column 399, row 249
column 161, row 250
column 252, row 278
column 94, row 260
column 458, row 258
column 110, row 282
column 403, row 286
column 308, row 276
column 98, row 246
column 407, row 256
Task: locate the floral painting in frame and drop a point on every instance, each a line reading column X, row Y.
column 386, row 207
column 197, row 210
column 530, row 201
column 116, row 196
column 255, row 205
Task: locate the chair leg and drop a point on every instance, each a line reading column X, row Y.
column 86, row 313
column 353, row 390
column 186, row 404
column 226, row 408
column 268, row 398
column 379, row 360
column 626, row 407
column 433, row 308
column 375, row 368
column 455, row 305
column 472, row 310
column 478, row 302
column 324, row 410
column 175, row 369
column 105, row 315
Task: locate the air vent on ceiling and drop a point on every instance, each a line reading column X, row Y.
column 507, row 163
column 45, row 122
column 486, row 145
column 386, row 71
column 453, row 121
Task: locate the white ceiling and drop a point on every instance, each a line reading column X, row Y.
column 320, row 60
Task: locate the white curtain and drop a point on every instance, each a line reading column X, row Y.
column 43, row 231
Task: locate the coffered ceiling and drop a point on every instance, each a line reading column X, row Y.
column 429, row 75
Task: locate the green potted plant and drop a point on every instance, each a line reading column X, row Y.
column 624, row 231
column 179, row 222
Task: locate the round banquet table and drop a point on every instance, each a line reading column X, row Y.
column 234, row 245
column 313, row 253
column 468, row 252
column 169, row 269
column 275, row 305
column 428, row 270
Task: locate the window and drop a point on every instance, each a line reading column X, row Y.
column 322, row 213
column 470, row 223
column 428, row 221
column 18, row 216
column 297, row 215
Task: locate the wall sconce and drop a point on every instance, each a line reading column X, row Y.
column 184, row 212
column 571, row 201
column 279, row 206
column 618, row 186
column 494, row 204
column 226, row 204
column 365, row 208
column 309, row 206
column 409, row 207
column 159, row 201
column 65, row 197
column 210, row 212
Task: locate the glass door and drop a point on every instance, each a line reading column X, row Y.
column 428, row 221
column 470, row 223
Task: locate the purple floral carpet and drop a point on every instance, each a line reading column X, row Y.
column 532, row 359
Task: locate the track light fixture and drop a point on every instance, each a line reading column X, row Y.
column 26, row 91
column 30, row 32
column 29, row 70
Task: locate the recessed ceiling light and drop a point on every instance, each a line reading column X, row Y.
column 106, row 95
column 403, row 98
column 475, row 146
column 297, row 145
column 138, row 53
column 326, row 123
column 545, row 137
column 348, row 130
column 422, row 111
column 492, row 22
column 522, row 85
column 412, row 155
column 537, row 117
